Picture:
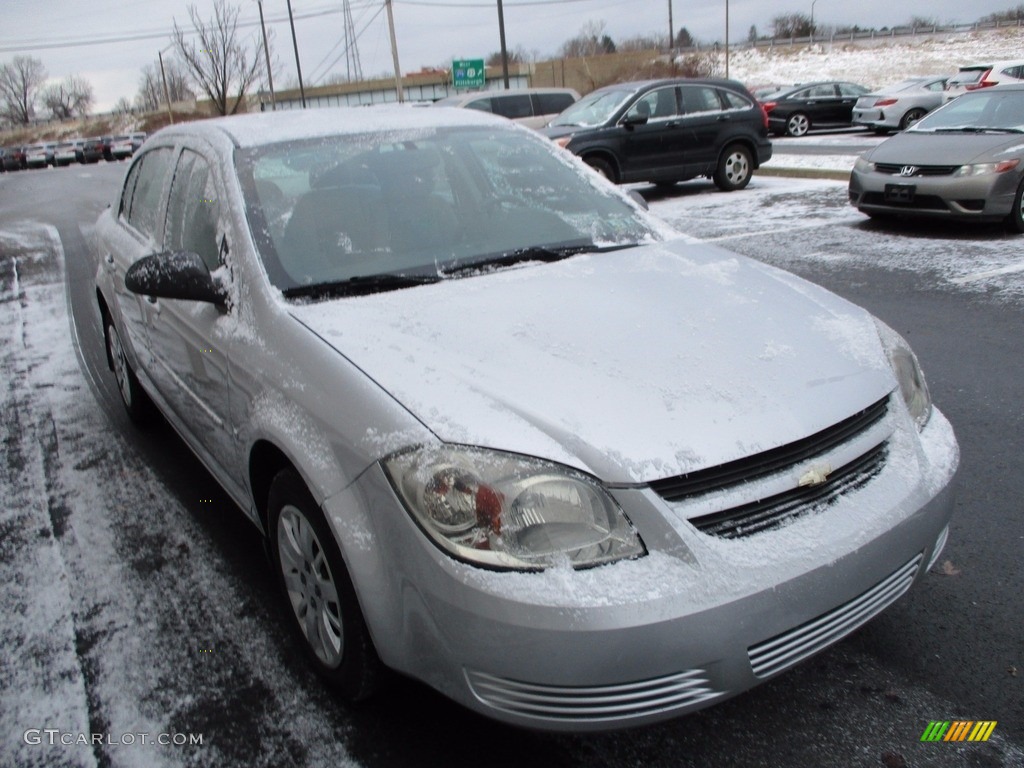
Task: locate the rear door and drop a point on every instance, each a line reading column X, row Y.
column 706, row 123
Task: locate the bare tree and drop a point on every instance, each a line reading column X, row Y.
column 220, row 62
column 792, row 25
column 20, row 83
column 590, row 41
column 72, row 97
column 150, row 96
column 124, row 106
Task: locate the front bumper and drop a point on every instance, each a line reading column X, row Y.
column 980, row 198
column 697, row 620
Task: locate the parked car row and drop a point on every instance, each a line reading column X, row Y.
column 797, row 109
column 77, row 150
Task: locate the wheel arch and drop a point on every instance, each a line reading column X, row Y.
column 746, row 143
column 605, row 155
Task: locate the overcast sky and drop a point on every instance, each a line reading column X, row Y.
column 125, row 36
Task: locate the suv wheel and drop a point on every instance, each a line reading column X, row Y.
column 603, row 167
column 734, row 168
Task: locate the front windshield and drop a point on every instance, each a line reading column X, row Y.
column 594, row 109
column 422, row 204
column 990, row 109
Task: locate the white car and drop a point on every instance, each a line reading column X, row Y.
column 971, row 77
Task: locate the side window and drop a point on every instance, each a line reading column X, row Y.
column 145, row 204
column 129, row 189
column 938, row 85
column 551, row 103
column 820, row 92
column 659, row 103
column 484, row 105
column 701, row 98
column 733, row 100
column 193, row 210
column 513, row 106
column 848, row 90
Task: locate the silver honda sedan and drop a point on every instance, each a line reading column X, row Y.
column 504, row 431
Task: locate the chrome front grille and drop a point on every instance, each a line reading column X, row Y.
column 593, row 703
column 916, row 170
column 752, row 467
column 782, row 508
column 791, row 647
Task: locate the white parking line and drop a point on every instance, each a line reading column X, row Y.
column 1009, row 269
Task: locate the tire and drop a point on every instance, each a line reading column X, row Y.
column 318, row 590
column 603, row 167
column 798, row 124
column 735, row 167
column 881, row 131
column 912, row 116
column 1015, row 221
column 134, row 398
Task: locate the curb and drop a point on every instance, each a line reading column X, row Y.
column 804, row 173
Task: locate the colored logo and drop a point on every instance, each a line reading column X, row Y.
column 958, row 730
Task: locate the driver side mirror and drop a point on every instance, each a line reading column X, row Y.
column 634, row 118
column 174, row 275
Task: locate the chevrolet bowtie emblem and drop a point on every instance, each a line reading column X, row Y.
column 816, row 475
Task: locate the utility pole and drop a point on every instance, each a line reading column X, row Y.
column 295, row 45
column 671, row 30
column 394, row 53
column 727, row 38
column 266, row 53
column 504, row 51
column 163, row 76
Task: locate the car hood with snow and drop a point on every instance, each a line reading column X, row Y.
column 634, row 365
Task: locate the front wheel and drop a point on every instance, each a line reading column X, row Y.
column 798, row 124
column 735, row 168
column 603, row 167
column 134, row 398
column 311, row 573
column 1015, row 221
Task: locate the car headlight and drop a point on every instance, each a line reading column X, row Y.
column 510, row 512
column 980, row 169
column 863, row 166
column 908, row 373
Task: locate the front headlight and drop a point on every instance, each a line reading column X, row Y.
column 510, row 512
column 863, row 166
column 981, row 169
column 908, row 373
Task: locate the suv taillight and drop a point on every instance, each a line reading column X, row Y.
column 983, row 82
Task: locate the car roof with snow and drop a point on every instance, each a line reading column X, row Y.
column 289, row 125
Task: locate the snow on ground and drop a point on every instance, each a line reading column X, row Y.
column 872, row 63
column 110, row 589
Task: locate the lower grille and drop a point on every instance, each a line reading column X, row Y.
column 593, row 703
column 784, row 650
column 919, row 202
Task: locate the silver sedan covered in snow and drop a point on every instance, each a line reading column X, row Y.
column 505, row 432
column 963, row 161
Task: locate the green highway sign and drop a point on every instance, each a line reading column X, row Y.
column 468, row 73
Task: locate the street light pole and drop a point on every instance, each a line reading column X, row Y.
column 727, row 38
column 812, row 19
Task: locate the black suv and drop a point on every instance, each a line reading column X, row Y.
column 664, row 131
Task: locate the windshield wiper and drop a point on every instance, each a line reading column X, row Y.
column 544, row 253
column 360, row 285
column 977, row 129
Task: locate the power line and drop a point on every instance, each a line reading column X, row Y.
column 39, row 44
